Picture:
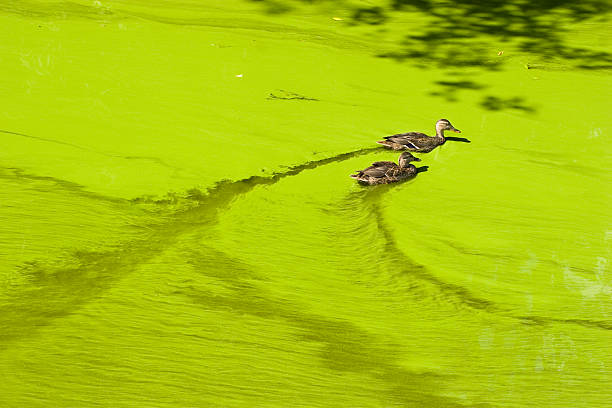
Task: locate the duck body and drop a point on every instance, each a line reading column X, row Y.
column 386, row 172
column 419, row 142
column 412, row 141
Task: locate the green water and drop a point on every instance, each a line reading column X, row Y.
column 179, row 228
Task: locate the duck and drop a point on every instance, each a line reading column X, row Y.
column 419, row 142
column 385, row 172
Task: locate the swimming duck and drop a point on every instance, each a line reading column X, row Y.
column 419, row 142
column 385, row 172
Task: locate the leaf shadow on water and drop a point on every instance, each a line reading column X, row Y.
column 465, row 38
column 494, row 103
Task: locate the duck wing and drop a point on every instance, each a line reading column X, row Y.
column 412, row 140
column 379, row 169
column 376, row 172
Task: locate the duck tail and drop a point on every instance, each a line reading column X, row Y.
column 386, row 143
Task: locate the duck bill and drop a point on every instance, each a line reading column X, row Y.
column 455, row 130
column 416, row 159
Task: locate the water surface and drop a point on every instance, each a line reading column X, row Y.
column 179, row 227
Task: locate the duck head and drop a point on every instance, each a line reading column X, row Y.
column 405, row 159
column 444, row 124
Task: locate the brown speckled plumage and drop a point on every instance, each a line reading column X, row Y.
column 385, row 172
column 419, row 142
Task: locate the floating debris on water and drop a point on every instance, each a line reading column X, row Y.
column 286, row 95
